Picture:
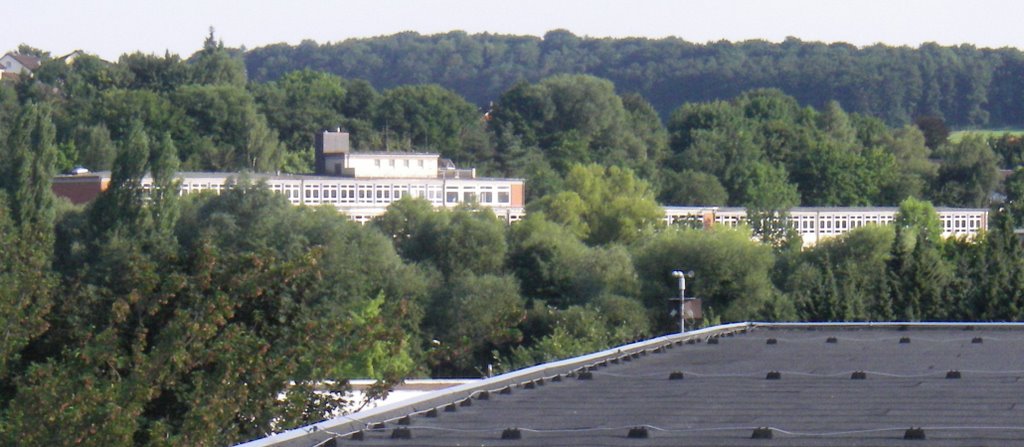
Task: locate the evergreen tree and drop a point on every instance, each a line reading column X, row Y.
column 1000, row 286
column 29, row 164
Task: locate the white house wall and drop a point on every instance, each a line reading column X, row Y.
column 390, row 165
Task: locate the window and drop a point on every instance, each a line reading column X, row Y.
column 365, row 194
column 420, row 163
column 486, row 197
column 469, row 197
column 452, row 197
column 405, row 163
column 503, row 197
column 348, row 193
column 391, row 162
column 376, row 162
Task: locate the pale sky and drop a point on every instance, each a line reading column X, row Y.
column 109, row 28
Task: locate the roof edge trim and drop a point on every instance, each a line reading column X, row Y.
column 357, row 421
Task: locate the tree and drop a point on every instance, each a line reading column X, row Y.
column 26, row 232
column 917, row 273
column 464, row 240
column 473, row 242
column 968, row 173
column 119, row 208
column 118, row 109
column 690, row 187
column 412, row 224
column 918, row 216
column 602, row 204
column 215, row 64
column 915, row 171
column 576, row 119
column 934, row 130
column 229, row 132
column 473, row 316
column 836, row 123
column 731, row 274
column 95, row 148
column 29, row 164
column 163, row 168
column 646, row 126
column 225, row 336
column 1010, row 149
column 301, row 104
column 1014, row 185
column 918, row 277
column 554, row 266
column 843, row 278
column 152, row 72
column 430, row 118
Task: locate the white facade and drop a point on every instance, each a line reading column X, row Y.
column 19, row 65
column 362, row 199
column 383, row 165
column 817, row 224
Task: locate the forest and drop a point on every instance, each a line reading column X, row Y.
column 201, row 320
column 965, row 85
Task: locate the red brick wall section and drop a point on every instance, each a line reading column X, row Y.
column 80, row 189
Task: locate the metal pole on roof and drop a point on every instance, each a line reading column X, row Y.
column 682, row 275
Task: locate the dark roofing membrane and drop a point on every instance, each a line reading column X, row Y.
column 724, row 396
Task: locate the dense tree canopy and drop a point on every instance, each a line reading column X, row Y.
column 963, row 85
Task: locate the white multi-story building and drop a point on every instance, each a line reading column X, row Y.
column 817, row 224
column 359, row 184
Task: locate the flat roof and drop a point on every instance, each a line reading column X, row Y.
column 962, row 384
column 822, row 209
column 390, row 154
column 190, row 175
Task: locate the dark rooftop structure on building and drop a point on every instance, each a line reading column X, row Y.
column 746, row 384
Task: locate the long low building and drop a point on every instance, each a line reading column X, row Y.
column 817, row 224
column 363, row 184
column 361, row 199
column 359, row 184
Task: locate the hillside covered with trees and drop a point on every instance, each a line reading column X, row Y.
column 202, row 320
column 964, row 85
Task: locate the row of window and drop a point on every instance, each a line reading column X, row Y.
column 374, row 194
column 391, row 163
column 836, row 224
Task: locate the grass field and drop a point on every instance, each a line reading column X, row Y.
column 956, row 136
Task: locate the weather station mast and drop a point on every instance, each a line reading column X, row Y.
column 683, row 299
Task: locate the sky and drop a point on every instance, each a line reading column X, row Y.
column 109, row 28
